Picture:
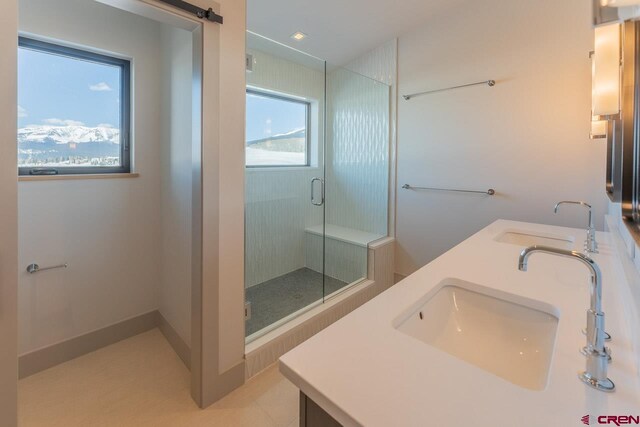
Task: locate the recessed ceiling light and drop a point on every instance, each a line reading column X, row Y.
column 299, row 36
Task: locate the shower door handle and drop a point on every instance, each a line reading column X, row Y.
column 313, row 199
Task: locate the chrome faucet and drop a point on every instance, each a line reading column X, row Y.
column 590, row 244
column 596, row 352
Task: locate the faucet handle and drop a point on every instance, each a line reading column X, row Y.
column 590, row 244
column 586, row 350
column 607, row 336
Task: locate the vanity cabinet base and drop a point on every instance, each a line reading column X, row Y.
column 312, row 415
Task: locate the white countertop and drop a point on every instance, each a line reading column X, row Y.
column 363, row 371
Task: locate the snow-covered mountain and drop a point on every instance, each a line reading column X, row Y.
column 47, row 145
column 67, row 134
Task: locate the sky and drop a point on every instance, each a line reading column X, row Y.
column 268, row 116
column 57, row 90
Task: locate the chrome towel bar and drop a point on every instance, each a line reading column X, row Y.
column 489, row 83
column 35, row 268
column 489, row 192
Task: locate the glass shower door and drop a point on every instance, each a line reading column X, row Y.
column 357, row 173
column 284, row 184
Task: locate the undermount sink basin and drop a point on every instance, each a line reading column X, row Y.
column 527, row 238
column 509, row 336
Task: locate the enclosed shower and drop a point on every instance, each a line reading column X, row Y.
column 317, row 181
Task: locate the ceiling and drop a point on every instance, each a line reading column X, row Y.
column 339, row 30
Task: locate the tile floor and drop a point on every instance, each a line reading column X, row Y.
column 142, row 382
column 277, row 298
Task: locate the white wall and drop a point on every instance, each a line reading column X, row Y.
column 527, row 137
column 278, row 207
column 9, row 216
column 108, row 230
column 176, row 183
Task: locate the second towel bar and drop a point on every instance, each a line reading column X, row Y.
column 490, row 83
column 489, row 192
column 35, row 268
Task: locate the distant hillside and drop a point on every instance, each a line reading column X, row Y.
column 291, row 142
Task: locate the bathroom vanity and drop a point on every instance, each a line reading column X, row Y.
column 470, row 340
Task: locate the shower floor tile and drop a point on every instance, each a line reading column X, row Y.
column 277, row 298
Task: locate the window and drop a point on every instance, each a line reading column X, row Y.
column 73, row 111
column 277, row 130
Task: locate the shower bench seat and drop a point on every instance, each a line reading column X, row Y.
column 346, row 235
column 345, row 251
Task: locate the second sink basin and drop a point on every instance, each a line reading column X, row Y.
column 526, row 238
column 496, row 333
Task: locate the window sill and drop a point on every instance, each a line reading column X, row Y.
column 26, row 178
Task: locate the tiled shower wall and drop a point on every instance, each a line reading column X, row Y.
column 277, row 213
column 361, row 105
column 277, row 208
column 380, row 64
column 357, row 152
